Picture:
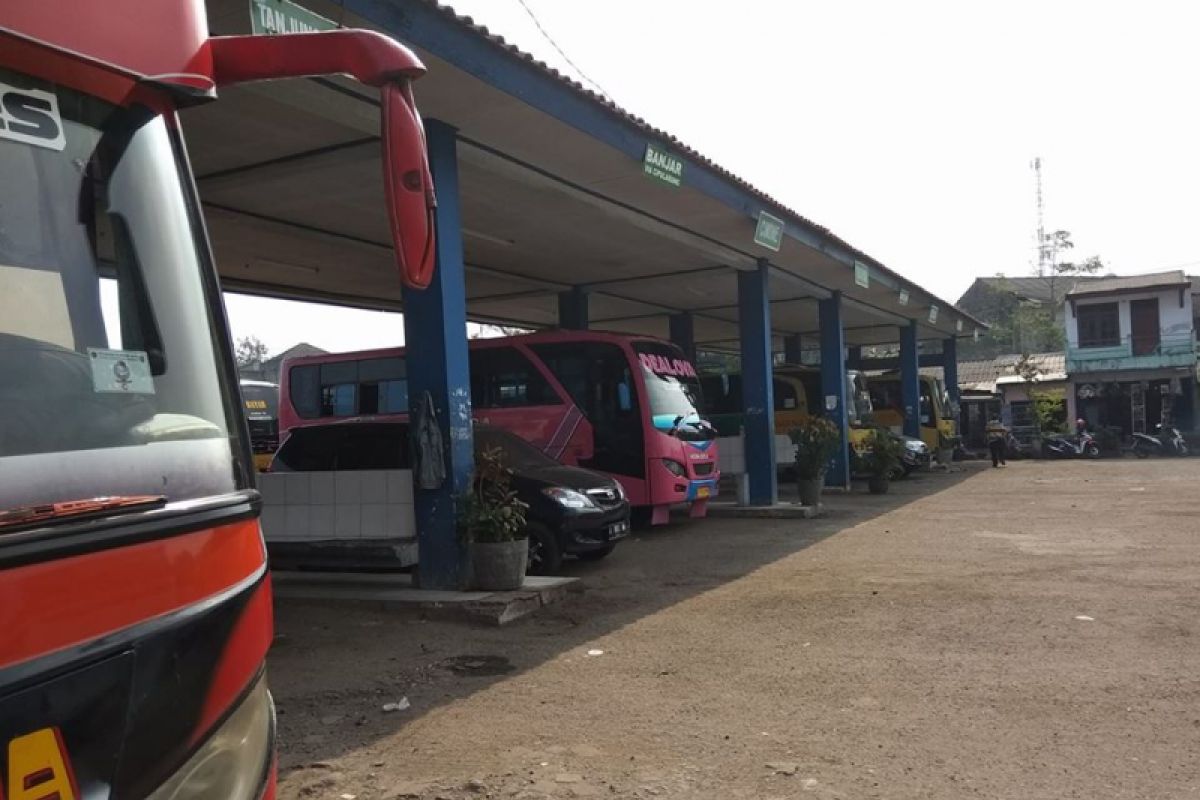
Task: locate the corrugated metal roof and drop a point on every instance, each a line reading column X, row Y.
column 982, row 375
column 1153, row 280
column 1041, row 289
column 691, row 153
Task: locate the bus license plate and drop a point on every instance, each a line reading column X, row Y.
column 702, row 492
column 618, row 530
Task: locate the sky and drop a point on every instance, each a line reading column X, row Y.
column 908, row 129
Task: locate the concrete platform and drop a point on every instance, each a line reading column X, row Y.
column 395, row 592
column 782, row 510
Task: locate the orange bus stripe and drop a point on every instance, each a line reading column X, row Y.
column 67, row 602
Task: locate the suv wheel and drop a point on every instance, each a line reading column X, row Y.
column 545, row 556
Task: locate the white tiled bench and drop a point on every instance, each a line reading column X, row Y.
column 339, row 507
column 731, row 453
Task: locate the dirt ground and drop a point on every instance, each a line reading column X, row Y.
column 1025, row 633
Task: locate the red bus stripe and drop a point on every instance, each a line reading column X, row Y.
column 67, row 602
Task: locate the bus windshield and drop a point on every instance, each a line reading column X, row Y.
column 107, row 346
column 672, row 390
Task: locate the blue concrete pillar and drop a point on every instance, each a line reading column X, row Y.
column 792, row 348
column 950, row 367
column 910, row 385
column 683, row 333
column 833, row 386
column 435, row 331
column 573, row 309
column 758, row 399
column 854, row 357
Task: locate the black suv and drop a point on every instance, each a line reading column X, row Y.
column 572, row 511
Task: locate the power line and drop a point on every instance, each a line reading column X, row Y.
column 562, row 53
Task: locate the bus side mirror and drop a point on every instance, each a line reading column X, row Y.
column 623, row 398
column 376, row 60
column 408, row 186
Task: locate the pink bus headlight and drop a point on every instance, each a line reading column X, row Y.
column 675, row 468
column 232, row 762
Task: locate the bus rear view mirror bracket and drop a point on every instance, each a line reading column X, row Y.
column 375, row 60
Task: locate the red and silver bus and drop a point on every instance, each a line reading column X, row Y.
column 134, row 595
column 623, row 405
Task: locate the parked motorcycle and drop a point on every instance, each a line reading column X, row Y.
column 1164, row 442
column 1081, row 446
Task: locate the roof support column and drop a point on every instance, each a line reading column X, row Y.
column 435, row 328
column 791, row 348
column 573, row 309
column 950, row 366
column 833, row 386
column 683, row 333
column 758, row 405
column 910, row 382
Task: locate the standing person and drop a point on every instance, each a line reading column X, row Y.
column 997, row 436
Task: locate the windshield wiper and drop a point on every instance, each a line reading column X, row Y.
column 30, row 516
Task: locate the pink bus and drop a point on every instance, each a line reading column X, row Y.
column 623, row 405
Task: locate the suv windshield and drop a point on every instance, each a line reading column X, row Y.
column 516, row 453
column 109, row 355
column 672, row 390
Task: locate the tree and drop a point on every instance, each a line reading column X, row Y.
column 250, row 352
column 1048, row 406
column 1053, row 244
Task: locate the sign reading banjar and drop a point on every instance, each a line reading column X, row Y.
column 661, row 365
column 662, row 166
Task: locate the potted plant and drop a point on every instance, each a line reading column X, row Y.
column 881, row 460
column 816, row 441
column 493, row 520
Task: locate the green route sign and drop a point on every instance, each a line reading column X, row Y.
column 769, row 231
column 284, row 16
column 862, row 275
column 662, row 166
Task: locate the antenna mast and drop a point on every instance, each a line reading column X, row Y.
column 1042, row 245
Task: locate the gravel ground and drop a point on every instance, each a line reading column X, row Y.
column 1028, row 632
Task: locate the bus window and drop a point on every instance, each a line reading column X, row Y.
column 926, row 405
column 338, row 384
column 597, row 377
column 786, row 398
column 348, row 388
column 503, row 378
column 722, row 394
column 382, row 386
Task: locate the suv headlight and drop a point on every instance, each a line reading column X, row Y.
column 232, row 762
column 620, row 490
column 568, row 498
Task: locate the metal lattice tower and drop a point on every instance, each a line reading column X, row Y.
column 1043, row 247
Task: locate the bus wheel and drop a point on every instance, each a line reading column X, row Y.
column 545, row 556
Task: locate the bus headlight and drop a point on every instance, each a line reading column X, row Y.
column 675, row 468
column 232, row 762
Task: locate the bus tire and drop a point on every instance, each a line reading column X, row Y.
column 545, row 556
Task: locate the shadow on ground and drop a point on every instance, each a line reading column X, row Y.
column 334, row 667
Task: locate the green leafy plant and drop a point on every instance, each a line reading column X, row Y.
column 490, row 511
column 816, row 441
column 1050, row 410
column 882, row 458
